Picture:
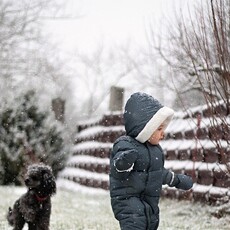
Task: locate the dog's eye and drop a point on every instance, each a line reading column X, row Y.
column 46, row 176
column 34, row 178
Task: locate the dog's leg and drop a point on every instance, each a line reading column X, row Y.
column 43, row 223
column 9, row 217
column 32, row 226
column 19, row 223
column 15, row 218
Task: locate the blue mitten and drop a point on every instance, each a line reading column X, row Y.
column 125, row 160
column 181, row 181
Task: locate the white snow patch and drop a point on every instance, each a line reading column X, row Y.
column 190, row 165
column 201, row 188
column 207, row 166
column 72, row 186
column 97, row 119
column 91, row 131
column 218, row 190
column 176, row 165
column 75, row 172
column 117, row 113
column 183, row 125
column 197, row 109
column 209, row 188
column 87, row 159
column 91, row 145
column 90, row 121
column 179, row 144
column 190, row 144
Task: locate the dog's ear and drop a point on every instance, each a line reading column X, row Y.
column 50, row 182
column 54, row 188
column 53, row 184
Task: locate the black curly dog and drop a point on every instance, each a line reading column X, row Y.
column 34, row 207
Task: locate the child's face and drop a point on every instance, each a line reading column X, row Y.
column 157, row 135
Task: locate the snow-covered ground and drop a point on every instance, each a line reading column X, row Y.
column 75, row 210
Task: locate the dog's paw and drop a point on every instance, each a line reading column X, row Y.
column 10, row 210
column 9, row 216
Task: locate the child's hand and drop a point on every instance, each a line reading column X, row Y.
column 183, row 182
column 125, row 161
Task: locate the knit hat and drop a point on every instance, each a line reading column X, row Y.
column 143, row 115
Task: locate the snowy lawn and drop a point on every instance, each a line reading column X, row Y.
column 78, row 211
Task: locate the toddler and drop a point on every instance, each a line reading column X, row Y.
column 137, row 165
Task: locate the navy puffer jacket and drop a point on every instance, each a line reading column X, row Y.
column 137, row 167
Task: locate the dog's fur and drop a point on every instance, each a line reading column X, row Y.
column 34, row 207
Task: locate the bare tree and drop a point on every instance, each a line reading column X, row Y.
column 19, row 32
column 198, row 51
column 198, row 47
column 191, row 47
column 27, row 60
column 95, row 73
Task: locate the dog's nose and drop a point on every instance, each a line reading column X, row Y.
column 27, row 181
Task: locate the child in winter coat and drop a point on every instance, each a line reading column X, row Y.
column 137, row 165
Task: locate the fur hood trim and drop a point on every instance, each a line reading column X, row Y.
column 162, row 116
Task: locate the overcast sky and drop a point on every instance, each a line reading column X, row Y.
column 109, row 22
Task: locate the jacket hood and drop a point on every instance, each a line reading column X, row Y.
column 143, row 115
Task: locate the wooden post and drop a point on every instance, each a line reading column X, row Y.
column 58, row 106
column 116, row 98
